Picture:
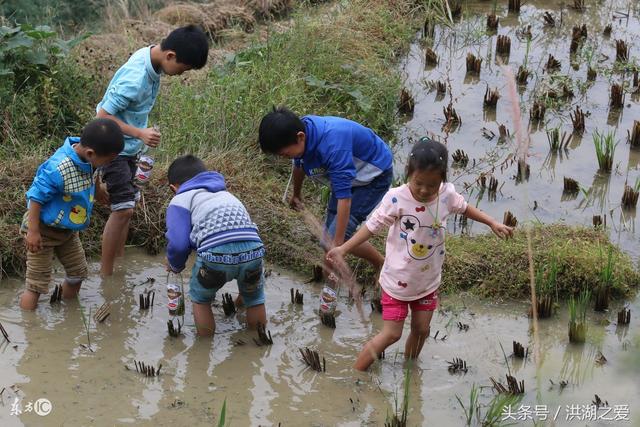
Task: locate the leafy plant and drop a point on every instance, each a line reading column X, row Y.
column 28, row 53
column 605, row 146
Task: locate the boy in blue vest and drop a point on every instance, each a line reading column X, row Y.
column 128, row 101
column 60, row 201
column 354, row 161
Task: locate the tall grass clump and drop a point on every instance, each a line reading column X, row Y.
column 578, row 316
column 546, row 287
column 603, row 291
column 605, row 145
column 491, row 414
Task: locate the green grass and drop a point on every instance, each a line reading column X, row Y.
column 578, row 315
column 499, row 269
column 490, row 414
column 605, row 145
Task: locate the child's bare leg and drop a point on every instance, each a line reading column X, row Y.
column 203, row 316
column 29, row 300
column 256, row 314
column 420, row 321
column 368, row 252
column 70, row 289
column 113, row 238
column 391, row 332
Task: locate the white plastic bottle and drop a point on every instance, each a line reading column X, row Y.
column 175, row 295
column 145, row 165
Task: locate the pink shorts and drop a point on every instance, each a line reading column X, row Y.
column 397, row 310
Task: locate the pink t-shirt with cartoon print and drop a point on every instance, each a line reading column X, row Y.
column 415, row 243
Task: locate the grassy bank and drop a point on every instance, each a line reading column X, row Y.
column 336, row 62
column 494, row 268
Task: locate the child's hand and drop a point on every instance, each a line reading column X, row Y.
column 150, row 137
column 102, row 195
column 335, row 255
column 33, row 242
column 296, row 203
column 501, row 230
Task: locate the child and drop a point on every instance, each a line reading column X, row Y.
column 204, row 216
column 59, row 205
column 415, row 214
column 351, row 158
column 128, row 100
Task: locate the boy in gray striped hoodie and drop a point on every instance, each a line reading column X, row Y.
column 205, row 217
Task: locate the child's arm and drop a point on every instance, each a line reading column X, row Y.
column 178, row 237
column 342, row 219
column 149, row 136
column 33, row 241
column 298, row 178
column 498, row 228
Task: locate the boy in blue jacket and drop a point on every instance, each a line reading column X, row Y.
column 60, row 201
column 204, row 216
column 354, row 161
column 128, row 101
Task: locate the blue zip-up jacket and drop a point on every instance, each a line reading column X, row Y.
column 203, row 215
column 342, row 152
column 131, row 94
column 64, row 186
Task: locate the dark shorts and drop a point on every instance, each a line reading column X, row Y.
column 118, row 175
column 363, row 200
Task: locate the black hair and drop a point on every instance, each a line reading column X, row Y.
column 103, row 136
column 184, row 168
column 279, row 129
column 190, row 44
column 428, row 155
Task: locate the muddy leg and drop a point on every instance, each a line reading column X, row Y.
column 203, row 317
column 420, row 321
column 255, row 315
column 391, row 333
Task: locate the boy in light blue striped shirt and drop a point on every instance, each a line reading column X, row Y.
column 128, row 101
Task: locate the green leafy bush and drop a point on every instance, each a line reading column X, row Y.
column 41, row 94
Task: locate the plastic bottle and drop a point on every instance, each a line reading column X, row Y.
column 145, row 165
column 175, row 295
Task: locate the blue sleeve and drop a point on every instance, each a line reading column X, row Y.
column 46, row 184
column 342, row 172
column 178, row 236
column 122, row 92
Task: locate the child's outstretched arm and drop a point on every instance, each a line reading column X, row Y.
column 337, row 254
column 498, row 228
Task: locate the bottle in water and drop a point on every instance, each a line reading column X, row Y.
column 175, row 296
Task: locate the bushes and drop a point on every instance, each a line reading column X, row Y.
column 42, row 96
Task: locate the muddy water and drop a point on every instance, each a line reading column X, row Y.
column 271, row 385
column 541, row 198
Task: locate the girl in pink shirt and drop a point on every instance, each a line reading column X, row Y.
column 416, row 215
